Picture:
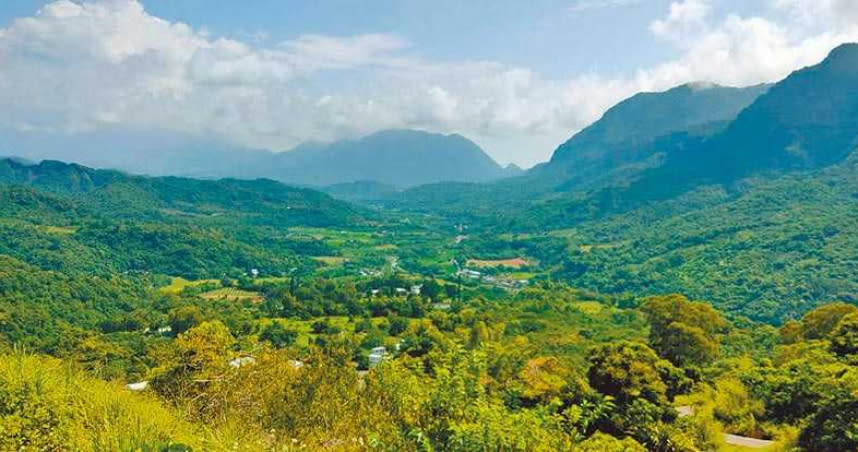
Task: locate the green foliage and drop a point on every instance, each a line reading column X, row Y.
column 834, row 427
column 278, row 335
column 683, row 332
column 819, row 323
column 49, row 405
column 627, row 371
column 601, row 442
column 844, row 338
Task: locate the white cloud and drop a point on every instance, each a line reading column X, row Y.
column 744, row 51
column 81, row 66
column 685, row 18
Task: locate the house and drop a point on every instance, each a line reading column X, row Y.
column 242, row 361
column 401, row 291
column 297, row 364
column 139, row 386
column 415, row 289
column 374, row 292
column 254, row 272
column 468, row 273
column 376, row 355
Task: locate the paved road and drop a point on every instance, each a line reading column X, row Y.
column 744, row 441
column 733, row 440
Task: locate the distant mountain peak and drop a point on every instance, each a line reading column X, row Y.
column 395, row 157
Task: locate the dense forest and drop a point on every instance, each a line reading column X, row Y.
column 244, row 334
column 645, row 304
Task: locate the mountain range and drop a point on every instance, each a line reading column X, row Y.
column 398, row 158
column 662, row 190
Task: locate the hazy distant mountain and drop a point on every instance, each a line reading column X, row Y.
column 401, row 158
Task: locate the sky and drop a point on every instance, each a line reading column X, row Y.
column 517, row 77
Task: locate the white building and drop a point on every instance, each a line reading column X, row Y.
column 139, row 386
column 376, row 355
column 242, row 361
column 471, row 273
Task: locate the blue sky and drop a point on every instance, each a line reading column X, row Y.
column 517, row 77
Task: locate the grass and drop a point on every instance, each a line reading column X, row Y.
column 58, row 230
column 304, row 328
column 331, row 261
column 53, row 406
column 232, row 294
column 513, row 263
column 177, row 284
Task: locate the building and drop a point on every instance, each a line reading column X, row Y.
column 468, row 273
column 139, row 386
column 242, row 361
column 415, row 289
column 376, row 355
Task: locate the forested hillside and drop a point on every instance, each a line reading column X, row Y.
column 684, row 281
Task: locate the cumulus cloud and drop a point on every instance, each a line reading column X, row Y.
column 81, row 66
column 747, row 50
column 685, row 18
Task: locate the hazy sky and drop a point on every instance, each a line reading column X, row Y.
column 518, row 77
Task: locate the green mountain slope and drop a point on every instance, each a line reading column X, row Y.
column 75, row 219
column 809, row 120
column 630, row 127
column 143, row 197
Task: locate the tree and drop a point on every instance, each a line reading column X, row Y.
column 735, row 406
column 206, row 348
column 844, row 339
column 543, row 378
column 684, row 345
column 278, row 335
column 627, row 371
column 682, row 331
column 601, row 442
column 184, row 318
column 834, row 427
column 820, row 322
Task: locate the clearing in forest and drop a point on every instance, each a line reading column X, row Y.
column 512, row 263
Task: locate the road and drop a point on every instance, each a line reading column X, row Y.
column 744, row 441
column 732, row 440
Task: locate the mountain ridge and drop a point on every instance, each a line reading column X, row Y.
column 397, row 157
